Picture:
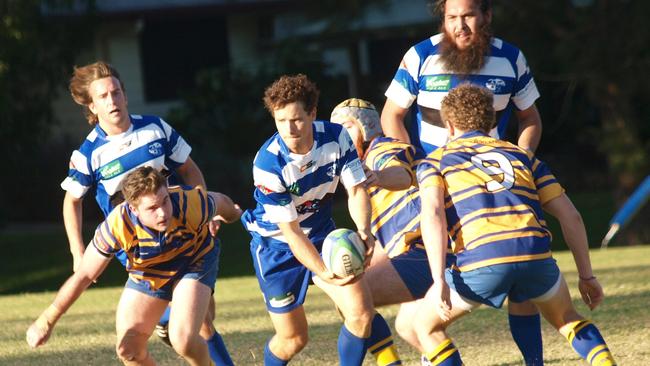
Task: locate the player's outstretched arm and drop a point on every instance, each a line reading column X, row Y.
column 72, row 220
column 575, row 235
column 191, row 174
column 359, row 207
column 392, row 121
column 433, row 222
column 227, row 210
column 92, row 265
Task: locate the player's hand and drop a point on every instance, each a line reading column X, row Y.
column 38, row 333
column 369, row 241
column 215, row 223
column 333, row 279
column 371, row 177
column 591, row 292
column 442, row 299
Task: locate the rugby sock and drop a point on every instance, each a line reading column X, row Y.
column 446, row 354
column 270, row 359
column 352, row 349
column 164, row 319
column 589, row 344
column 380, row 343
column 218, row 351
column 527, row 333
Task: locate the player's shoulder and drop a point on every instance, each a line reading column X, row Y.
column 330, row 129
column 428, row 45
column 270, row 155
column 499, row 47
column 146, row 121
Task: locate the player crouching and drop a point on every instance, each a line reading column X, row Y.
column 171, row 254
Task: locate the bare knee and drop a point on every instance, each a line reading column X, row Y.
column 132, row 346
column 291, row 345
column 359, row 322
column 183, row 341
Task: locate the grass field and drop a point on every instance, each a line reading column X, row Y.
column 85, row 335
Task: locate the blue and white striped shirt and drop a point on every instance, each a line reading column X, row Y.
column 103, row 161
column 422, row 77
column 300, row 187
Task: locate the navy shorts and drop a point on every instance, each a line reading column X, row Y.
column 520, row 281
column 204, row 270
column 414, row 270
column 282, row 278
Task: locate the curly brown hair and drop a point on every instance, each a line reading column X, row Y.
column 290, row 89
column 438, row 6
column 142, row 181
column 468, row 107
column 80, row 82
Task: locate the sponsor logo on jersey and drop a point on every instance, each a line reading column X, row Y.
column 111, row 169
column 155, row 149
column 307, row 166
column 331, row 171
column 437, row 83
column 264, row 189
column 294, row 188
column 282, row 300
column 308, row 206
column 495, row 85
column 71, row 166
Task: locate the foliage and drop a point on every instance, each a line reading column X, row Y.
column 86, row 334
column 35, row 60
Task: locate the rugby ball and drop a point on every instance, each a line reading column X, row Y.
column 344, row 252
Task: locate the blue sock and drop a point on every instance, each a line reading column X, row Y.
column 164, row 319
column 380, row 343
column 270, row 359
column 218, row 351
column 587, row 341
column 527, row 333
column 352, row 349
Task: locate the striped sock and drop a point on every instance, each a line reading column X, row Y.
column 446, row 354
column 587, row 341
column 380, row 343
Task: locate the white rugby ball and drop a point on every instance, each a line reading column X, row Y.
column 344, row 252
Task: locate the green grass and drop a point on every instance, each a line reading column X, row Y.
column 85, row 335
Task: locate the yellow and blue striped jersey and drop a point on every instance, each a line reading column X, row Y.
column 158, row 257
column 395, row 219
column 494, row 192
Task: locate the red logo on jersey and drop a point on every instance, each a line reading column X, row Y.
column 72, row 165
column 264, row 189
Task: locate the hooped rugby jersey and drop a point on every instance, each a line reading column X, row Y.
column 422, row 78
column 494, row 193
column 395, row 219
column 158, row 257
column 292, row 187
column 103, row 161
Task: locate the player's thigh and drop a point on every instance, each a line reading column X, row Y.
column 291, row 324
column 191, row 300
column 353, row 299
column 556, row 305
column 427, row 315
column 386, row 285
column 138, row 313
column 522, row 308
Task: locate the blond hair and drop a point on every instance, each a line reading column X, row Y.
column 140, row 182
column 468, row 107
column 80, row 82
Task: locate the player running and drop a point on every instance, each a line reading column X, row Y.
column 171, row 255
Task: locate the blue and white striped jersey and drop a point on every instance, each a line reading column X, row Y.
column 301, row 187
column 103, row 161
column 422, row 77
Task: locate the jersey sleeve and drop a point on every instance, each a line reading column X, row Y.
column 525, row 91
column 80, row 178
column 547, row 185
column 107, row 235
column 351, row 168
column 271, row 193
column 177, row 150
column 394, row 156
column 428, row 173
column 403, row 89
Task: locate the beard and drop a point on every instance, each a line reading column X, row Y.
column 470, row 59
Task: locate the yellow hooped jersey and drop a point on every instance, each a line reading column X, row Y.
column 494, row 192
column 158, row 257
column 395, row 220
